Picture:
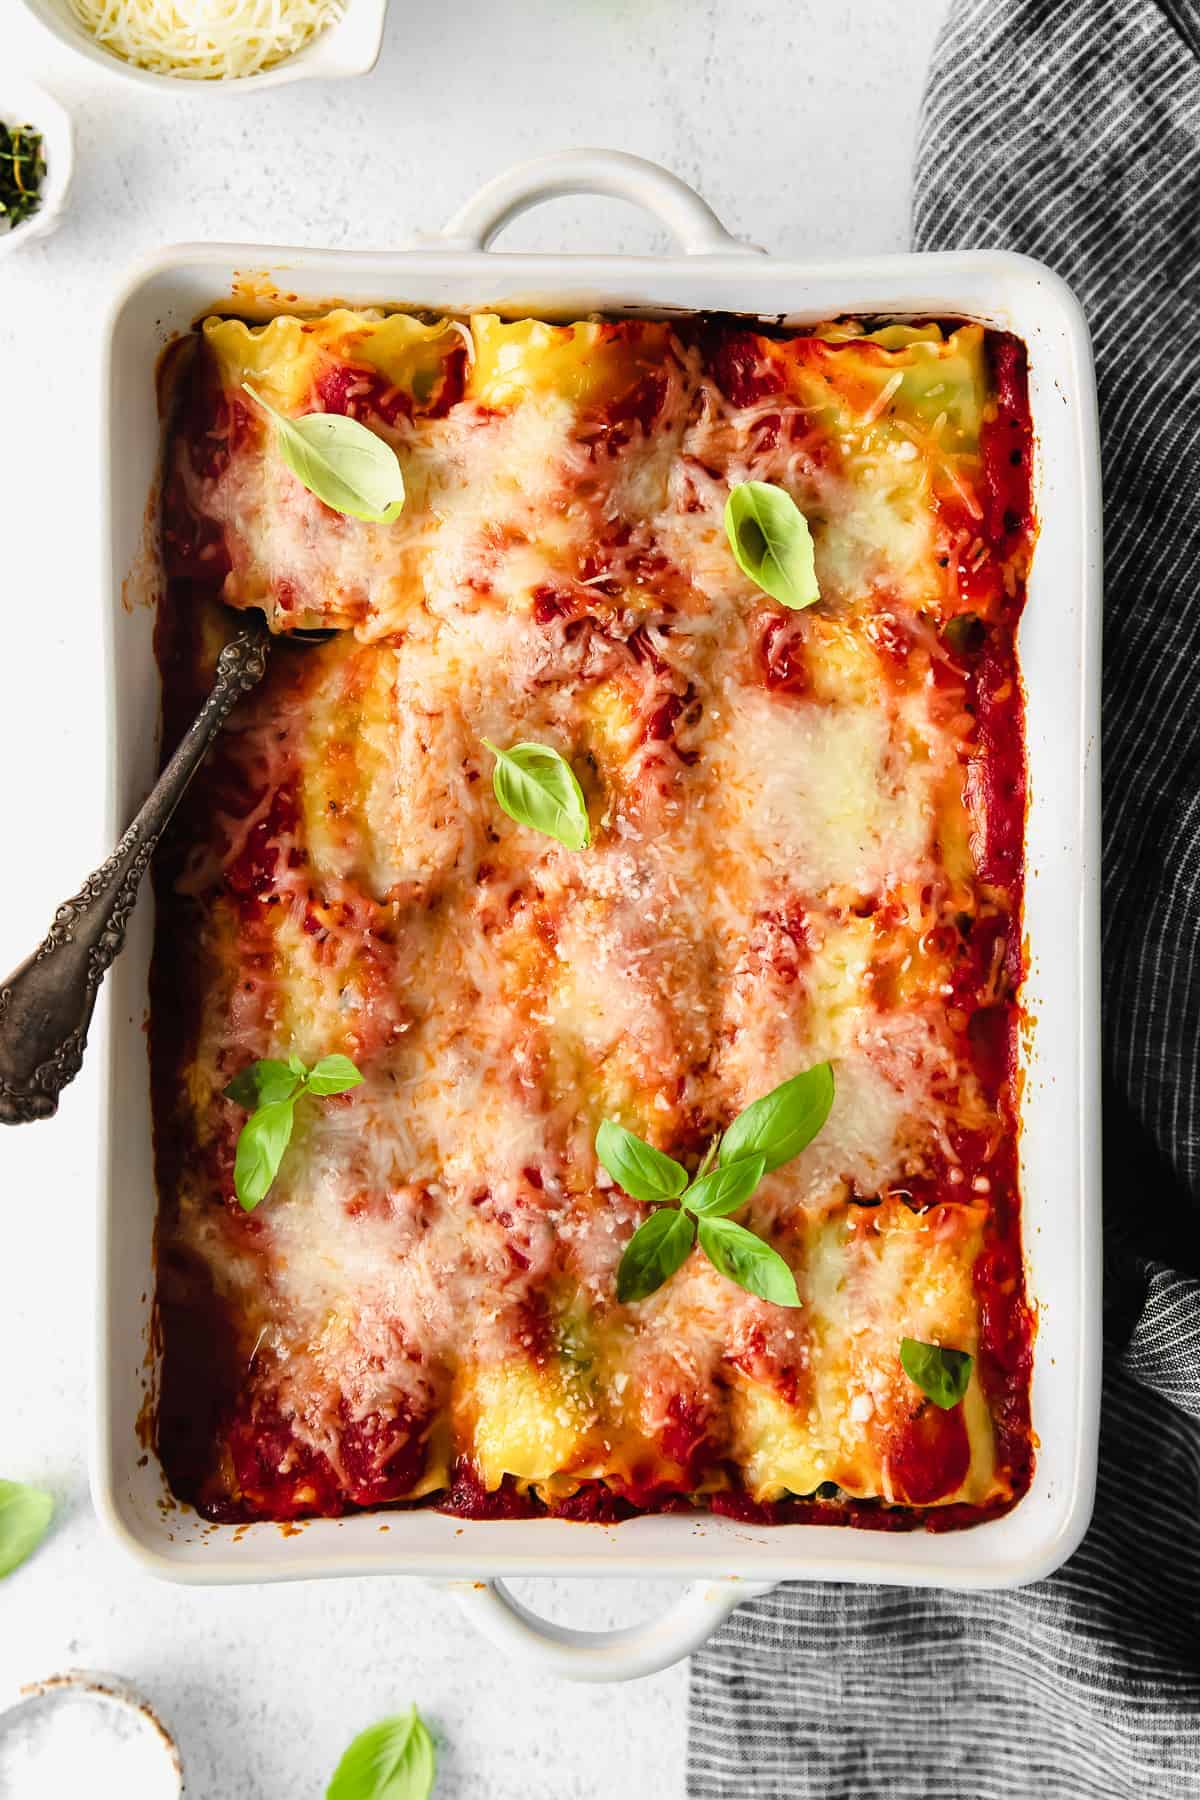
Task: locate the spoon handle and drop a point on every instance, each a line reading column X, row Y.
column 46, row 1004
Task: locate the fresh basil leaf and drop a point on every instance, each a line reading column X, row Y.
column 745, row 1259
column 264, row 1138
column 771, row 543
column 654, row 1252
column 340, row 461
column 537, row 787
column 332, row 1075
column 393, row 1760
column 25, row 1514
column 944, row 1375
column 783, row 1121
column 265, row 1082
column 637, row 1166
column 725, row 1188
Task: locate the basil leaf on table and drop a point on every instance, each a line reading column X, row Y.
column 25, row 1514
column 771, row 543
column 725, row 1188
column 340, row 461
column 744, row 1258
column 654, row 1252
column 393, row 1760
column 537, row 787
column 638, row 1167
column 942, row 1375
column 784, row 1121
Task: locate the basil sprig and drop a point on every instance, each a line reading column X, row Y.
column 769, row 1133
column 393, row 1760
column 269, row 1090
column 771, row 543
column 537, row 787
column 340, row 461
column 25, row 1514
column 943, row 1375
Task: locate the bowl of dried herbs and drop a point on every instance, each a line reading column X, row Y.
column 36, row 162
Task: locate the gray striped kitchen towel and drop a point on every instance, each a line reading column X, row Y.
column 1069, row 129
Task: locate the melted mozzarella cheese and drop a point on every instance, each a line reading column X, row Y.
column 864, row 1283
column 442, row 1240
column 831, row 796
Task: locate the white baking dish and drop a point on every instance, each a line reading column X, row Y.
column 1060, row 1140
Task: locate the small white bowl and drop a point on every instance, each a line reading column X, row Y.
column 24, row 103
column 351, row 47
column 120, row 1718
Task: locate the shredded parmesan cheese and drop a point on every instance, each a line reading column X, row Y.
column 781, row 872
column 206, row 40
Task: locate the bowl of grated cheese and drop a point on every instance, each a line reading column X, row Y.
column 245, row 44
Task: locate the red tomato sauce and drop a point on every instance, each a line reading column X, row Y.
column 206, row 1414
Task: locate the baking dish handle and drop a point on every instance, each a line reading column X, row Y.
column 689, row 219
column 621, row 1655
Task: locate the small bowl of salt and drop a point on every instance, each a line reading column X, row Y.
column 86, row 1733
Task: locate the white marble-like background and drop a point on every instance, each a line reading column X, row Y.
column 795, row 118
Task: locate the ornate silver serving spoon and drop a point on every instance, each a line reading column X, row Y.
column 46, row 1004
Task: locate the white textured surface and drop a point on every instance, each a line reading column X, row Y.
column 795, row 119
